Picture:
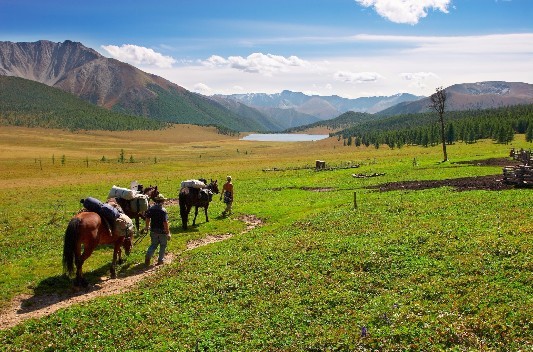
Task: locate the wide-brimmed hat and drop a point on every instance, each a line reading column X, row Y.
column 159, row 198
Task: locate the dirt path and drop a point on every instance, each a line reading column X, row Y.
column 26, row 307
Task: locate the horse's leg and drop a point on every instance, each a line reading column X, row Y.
column 184, row 210
column 206, row 217
column 137, row 223
column 116, row 255
column 195, row 215
column 79, row 281
column 88, row 249
column 119, row 259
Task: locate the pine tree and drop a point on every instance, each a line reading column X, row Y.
column 529, row 132
column 450, row 134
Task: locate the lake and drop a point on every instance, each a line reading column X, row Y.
column 284, row 137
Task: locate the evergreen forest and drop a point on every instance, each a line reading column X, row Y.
column 499, row 124
column 28, row 103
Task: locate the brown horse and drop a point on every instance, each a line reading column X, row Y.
column 151, row 192
column 189, row 197
column 88, row 230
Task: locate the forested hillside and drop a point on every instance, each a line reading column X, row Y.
column 115, row 85
column 32, row 104
column 422, row 129
column 346, row 120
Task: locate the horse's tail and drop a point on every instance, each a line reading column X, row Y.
column 184, row 207
column 69, row 246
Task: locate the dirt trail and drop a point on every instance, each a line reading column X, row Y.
column 26, row 307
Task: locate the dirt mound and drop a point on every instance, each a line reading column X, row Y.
column 489, row 162
column 304, row 188
column 490, row 183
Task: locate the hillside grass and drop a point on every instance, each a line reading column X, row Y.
column 28, row 103
column 433, row 269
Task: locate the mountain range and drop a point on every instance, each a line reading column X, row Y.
column 117, row 86
column 472, row 96
column 323, row 107
column 293, row 109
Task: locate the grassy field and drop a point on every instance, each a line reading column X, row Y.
column 433, row 269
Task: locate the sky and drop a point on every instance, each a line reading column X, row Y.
column 349, row 48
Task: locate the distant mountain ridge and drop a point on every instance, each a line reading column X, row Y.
column 120, row 87
column 472, row 96
column 322, row 107
column 115, row 85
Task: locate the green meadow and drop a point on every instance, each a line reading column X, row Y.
column 334, row 266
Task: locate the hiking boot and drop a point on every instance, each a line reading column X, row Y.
column 159, row 262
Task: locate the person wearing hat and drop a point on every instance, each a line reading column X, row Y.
column 157, row 224
column 227, row 192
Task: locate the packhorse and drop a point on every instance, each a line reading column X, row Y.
column 87, row 230
column 190, row 197
column 151, row 192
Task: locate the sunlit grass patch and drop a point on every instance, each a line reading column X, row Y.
column 429, row 269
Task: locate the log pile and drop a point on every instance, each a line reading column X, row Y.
column 523, row 156
column 519, row 175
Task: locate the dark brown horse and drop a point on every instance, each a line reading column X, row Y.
column 151, row 192
column 192, row 197
column 87, row 230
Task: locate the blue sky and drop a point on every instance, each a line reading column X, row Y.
column 350, row 48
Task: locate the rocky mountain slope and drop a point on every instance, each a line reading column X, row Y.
column 472, row 96
column 322, row 107
column 115, row 85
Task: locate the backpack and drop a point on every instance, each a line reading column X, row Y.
column 119, row 192
column 109, row 212
column 123, row 226
column 139, row 204
column 92, row 204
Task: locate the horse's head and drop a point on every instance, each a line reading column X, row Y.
column 151, row 192
column 213, row 186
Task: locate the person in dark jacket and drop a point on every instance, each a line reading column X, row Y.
column 157, row 224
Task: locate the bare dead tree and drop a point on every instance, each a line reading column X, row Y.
column 438, row 103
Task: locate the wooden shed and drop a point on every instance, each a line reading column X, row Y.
column 320, row 165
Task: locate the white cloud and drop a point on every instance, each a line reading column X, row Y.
column 417, row 76
column 405, row 11
column 517, row 43
column 413, row 64
column 202, row 89
column 418, row 79
column 265, row 64
column 138, row 55
column 357, row 77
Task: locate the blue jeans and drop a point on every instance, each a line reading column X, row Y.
column 158, row 239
